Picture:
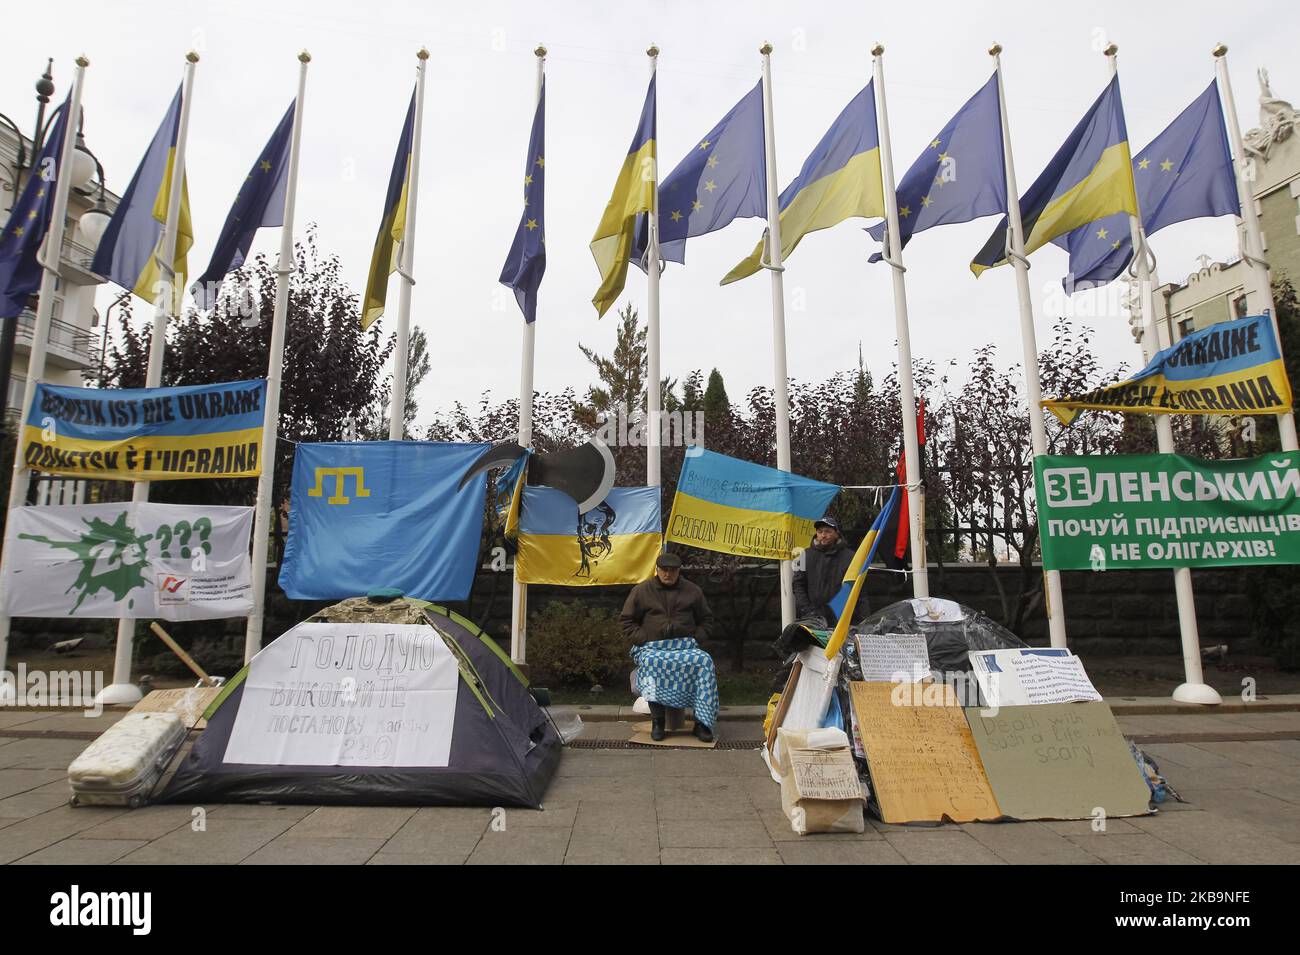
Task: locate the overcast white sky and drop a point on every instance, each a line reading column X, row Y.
column 477, row 116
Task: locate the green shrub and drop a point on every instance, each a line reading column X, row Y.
column 571, row 643
column 1274, row 594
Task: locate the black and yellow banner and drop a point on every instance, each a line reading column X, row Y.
column 147, row 434
column 1232, row 368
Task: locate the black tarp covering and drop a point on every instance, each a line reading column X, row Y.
column 503, row 759
column 948, row 641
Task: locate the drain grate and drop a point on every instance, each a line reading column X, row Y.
column 628, row 744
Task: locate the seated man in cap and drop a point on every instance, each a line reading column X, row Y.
column 666, row 618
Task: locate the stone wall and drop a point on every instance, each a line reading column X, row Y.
column 1119, row 613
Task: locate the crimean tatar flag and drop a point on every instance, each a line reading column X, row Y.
column 633, row 197
column 128, row 254
column 839, row 179
column 392, row 227
column 1090, row 177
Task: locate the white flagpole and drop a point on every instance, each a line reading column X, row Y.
column 654, row 398
column 406, row 265
column 274, row 371
column 1194, row 688
column 1055, row 606
column 519, row 592
column 166, row 298
column 906, row 390
column 50, row 256
column 1252, row 241
column 780, row 376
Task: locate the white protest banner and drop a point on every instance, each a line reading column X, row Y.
column 1021, row 677
column 348, row 694
column 132, row 560
column 893, row 657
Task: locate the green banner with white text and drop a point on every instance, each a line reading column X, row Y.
column 1165, row 510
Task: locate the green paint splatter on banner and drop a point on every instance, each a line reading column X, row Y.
column 115, row 550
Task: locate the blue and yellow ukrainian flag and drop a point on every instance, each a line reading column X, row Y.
column 128, row 253
column 616, row 542
column 633, row 197
column 855, row 576
column 736, row 507
column 1229, row 368
column 1090, row 177
column 510, row 485
column 392, row 227
column 840, row 179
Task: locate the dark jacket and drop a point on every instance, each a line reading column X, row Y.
column 655, row 612
column 821, row 579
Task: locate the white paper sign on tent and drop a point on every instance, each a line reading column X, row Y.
column 893, row 657
column 348, row 694
column 1021, row 677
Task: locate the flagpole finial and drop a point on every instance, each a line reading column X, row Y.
column 765, row 49
column 82, row 61
column 878, row 49
column 1111, row 49
column 540, row 51
column 653, row 51
column 304, row 57
column 422, row 53
column 1220, row 49
column 192, row 56
column 995, row 49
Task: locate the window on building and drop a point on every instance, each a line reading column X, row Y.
column 1184, row 328
column 1239, row 306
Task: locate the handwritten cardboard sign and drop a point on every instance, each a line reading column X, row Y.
column 923, row 762
column 1058, row 761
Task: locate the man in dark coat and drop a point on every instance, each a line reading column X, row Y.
column 666, row 618
column 825, row 563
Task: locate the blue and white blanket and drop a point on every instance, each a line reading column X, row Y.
column 678, row 673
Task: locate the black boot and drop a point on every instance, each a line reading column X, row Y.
column 703, row 733
column 657, row 722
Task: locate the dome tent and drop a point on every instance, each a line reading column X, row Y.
column 950, row 629
column 500, row 749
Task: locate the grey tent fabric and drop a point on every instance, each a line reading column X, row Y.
column 504, row 749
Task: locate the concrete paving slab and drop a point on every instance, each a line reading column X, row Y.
column 941, row 847
column 729, row 856
column 146, row 823
column 521, row 847
column 14, row 781
column 1214, row 837
column 1140, row 849
column 1028, row 843
column 82, row 852
column 833, row 849
column 296, row 850
column 714, row 834
column 225, row 842
column 351, row 822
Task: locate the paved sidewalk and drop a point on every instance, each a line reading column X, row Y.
column 667, row 806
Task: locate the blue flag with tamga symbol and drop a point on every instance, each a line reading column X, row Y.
column 368, row 514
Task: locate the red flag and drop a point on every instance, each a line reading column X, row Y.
column 903, row 536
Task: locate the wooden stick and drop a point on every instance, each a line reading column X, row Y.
column 175, row 648
column 783, row 705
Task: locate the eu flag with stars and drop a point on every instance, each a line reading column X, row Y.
column 1185, row 173
column 960, row 176
column 721, row 179
column 29, row 220
column 260, row 202
column 527, row 259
